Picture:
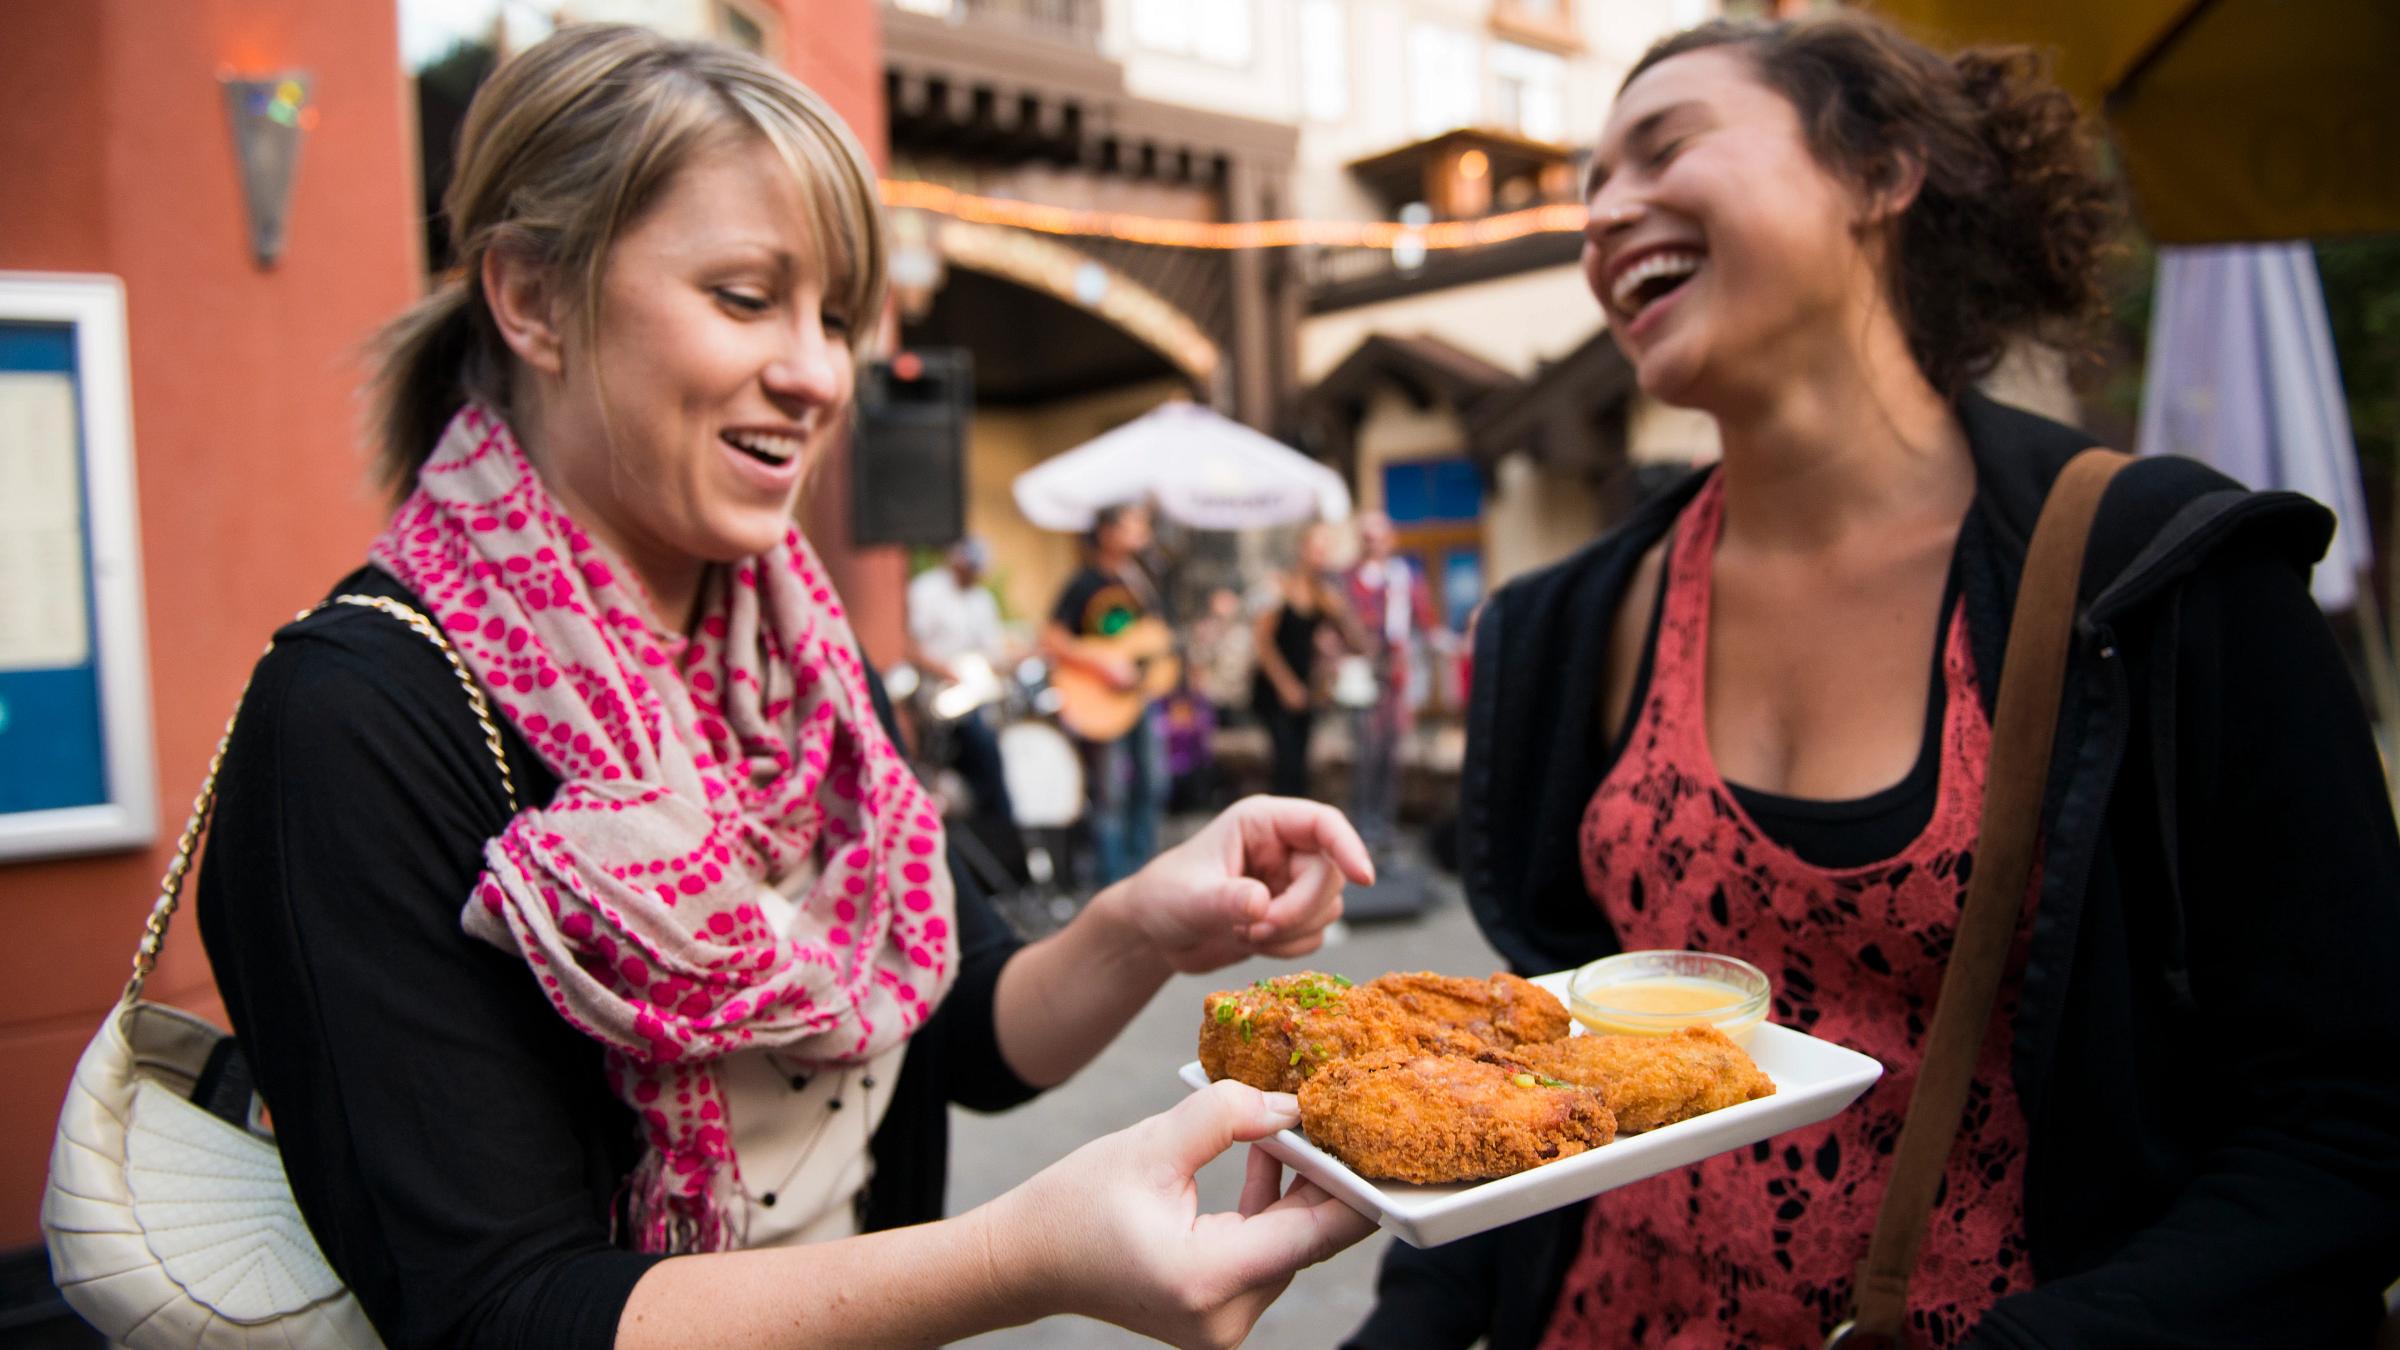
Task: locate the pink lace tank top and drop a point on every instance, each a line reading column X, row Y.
column 1758, row 1247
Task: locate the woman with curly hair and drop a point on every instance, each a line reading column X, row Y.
column 1756, row 719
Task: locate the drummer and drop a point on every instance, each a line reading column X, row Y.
column 953, row 616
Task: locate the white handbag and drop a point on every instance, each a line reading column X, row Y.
column 168, row 1224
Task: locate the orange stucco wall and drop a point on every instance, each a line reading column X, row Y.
column 118, row 158
column 836, row 48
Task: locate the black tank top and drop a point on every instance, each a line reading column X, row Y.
column 1296, row 643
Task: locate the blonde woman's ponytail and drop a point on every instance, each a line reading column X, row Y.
column 428, row 363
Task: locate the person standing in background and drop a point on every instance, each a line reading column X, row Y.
column 1218, row 661
column 952, row 617
column 1222, row 654
column 1290, row 638
column 1395, row 608
column 951, row 613
column 1104, row 600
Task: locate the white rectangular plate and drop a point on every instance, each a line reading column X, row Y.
column 1814, row 1080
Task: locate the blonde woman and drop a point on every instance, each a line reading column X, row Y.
column 544, row 1054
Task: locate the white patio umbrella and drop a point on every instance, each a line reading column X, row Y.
column 1199, row 468
column 2242, row 376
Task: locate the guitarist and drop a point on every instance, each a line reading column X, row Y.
column 1128, row 775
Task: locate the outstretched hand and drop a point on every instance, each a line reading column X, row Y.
column 1116, row 1227
column 1262, row 879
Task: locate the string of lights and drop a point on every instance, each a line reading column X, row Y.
column 1377, row 234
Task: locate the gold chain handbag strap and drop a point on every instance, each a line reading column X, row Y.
column 170, row 889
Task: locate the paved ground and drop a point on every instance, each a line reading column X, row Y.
column 1136, row 1077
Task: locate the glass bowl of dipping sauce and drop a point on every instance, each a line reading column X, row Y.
column 1654, row 993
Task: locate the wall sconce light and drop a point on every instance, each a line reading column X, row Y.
column 269, row 114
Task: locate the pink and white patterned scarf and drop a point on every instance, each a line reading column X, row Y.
column 695, row 772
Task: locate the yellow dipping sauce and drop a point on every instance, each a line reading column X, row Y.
column 1652, row 1007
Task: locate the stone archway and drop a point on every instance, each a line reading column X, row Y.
column 1078, row 279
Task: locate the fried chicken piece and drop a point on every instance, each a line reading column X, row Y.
column 1430, row 1118
column 1651, row 1081
column 1502, row 1011
column 1276, row 1033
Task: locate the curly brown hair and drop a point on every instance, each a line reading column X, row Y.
column 2009, row 234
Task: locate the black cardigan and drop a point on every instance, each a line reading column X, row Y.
column 2207, row 1045
column 448, row 1135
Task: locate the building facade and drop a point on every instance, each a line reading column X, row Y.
column 999, row 106
column 1467, row 392
column 1471, row 393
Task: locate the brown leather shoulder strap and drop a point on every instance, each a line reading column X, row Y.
column 2032, row 678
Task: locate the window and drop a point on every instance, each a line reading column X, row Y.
column 1324, row 61
column 1212, row 30
column 75, row 767
column 1547, row 24
column 1529, row 89
column 428, row 30
column 1435, row 506
column 447, row 49
column 1426, row 491
column 1163, row 25
column 1461, row 588
column 1221, row 32
column 1442, row 80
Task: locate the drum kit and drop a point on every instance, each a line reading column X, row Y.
column 1039, row 764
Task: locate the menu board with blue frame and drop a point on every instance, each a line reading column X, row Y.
column 74, row 699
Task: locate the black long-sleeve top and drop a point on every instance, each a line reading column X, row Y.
column 448, row 1136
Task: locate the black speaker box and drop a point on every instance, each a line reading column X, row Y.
column 908, row 462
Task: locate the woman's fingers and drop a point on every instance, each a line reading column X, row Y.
column 1298, row 1230
column 1304, row 1194
column 1311, row 901
column 1203, row 1279
column 1261, row 1180
column 1216, row 1118
column 1276, row 827
column 1240, row 904
column 1292, row 948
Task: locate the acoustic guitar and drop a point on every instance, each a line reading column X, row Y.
column 1094, row 708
